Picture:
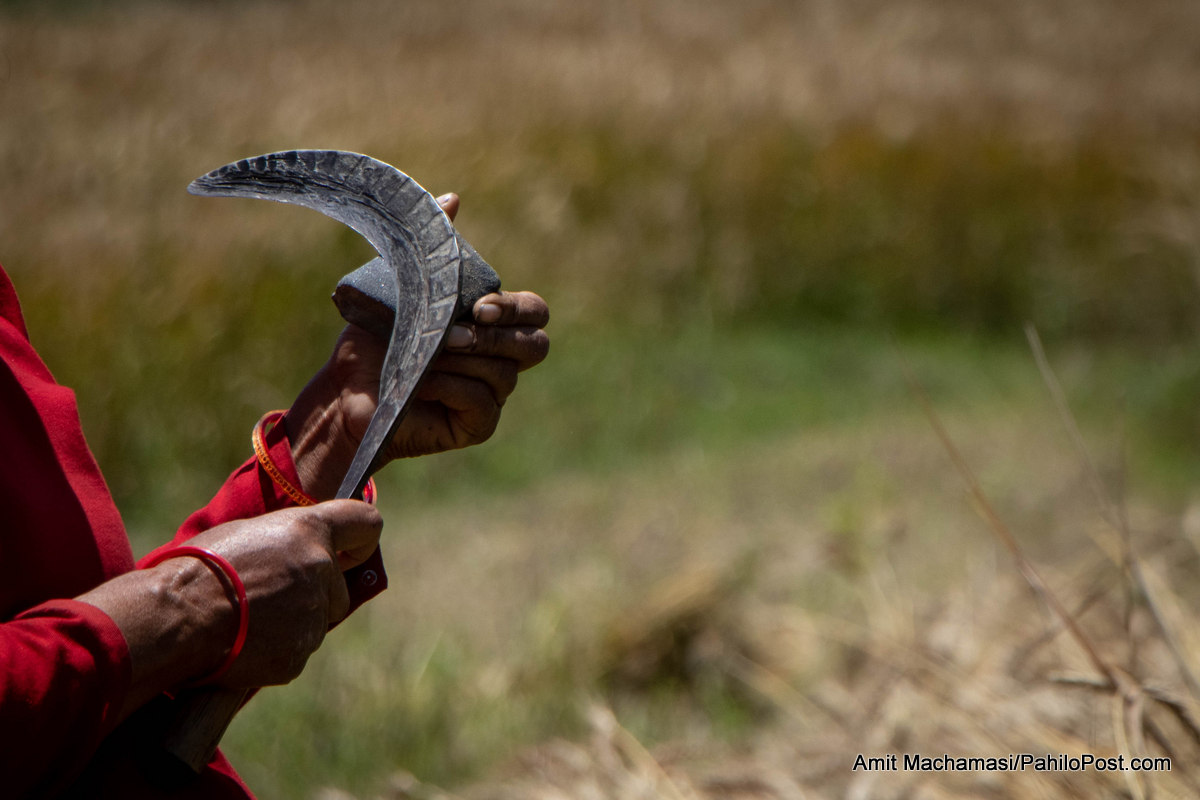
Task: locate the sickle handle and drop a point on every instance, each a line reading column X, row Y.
column 199, row 718
column 366, row 296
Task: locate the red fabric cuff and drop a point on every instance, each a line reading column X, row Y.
column 250, row 492
column 65, row 674
column 280, row 450
column 77, row 637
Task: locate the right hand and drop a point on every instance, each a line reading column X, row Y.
column 291, row 562
column 457, row 405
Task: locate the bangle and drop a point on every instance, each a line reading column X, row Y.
column 226, row 569
column 258, row 439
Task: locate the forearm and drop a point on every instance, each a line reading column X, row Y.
column 177, row 621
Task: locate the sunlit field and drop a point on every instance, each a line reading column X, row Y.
column 717, row 548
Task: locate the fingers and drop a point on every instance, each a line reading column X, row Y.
column 452, row 412
column 472, row 401
column 512, row 308
column 524, row 346
column 508, row 325
column 499, row 374
column 339, row 600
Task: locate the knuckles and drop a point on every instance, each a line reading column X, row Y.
column 527, row 346
column 537, row 346
column 288, row 659
column 290, row 570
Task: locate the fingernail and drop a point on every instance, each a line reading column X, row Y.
column 460, row 336
column 488, row 312
column 446, row 198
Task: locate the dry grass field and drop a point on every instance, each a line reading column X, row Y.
column 717, row 549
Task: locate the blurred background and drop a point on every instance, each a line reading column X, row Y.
column 716, row 549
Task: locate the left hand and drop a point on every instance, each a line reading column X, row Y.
column 458, row 404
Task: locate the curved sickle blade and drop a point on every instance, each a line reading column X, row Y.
column 406, row 227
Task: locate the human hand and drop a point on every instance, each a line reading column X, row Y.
column 291, row 563
column 458, row 404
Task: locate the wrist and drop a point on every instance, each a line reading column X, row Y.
column 177, row 620
column 205, row 619
column 320, row 446
column 235, row 591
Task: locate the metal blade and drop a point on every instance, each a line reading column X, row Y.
column 410, row 232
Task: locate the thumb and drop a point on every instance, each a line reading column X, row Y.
column 354, row 528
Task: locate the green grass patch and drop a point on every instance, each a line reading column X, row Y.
column 611, row 397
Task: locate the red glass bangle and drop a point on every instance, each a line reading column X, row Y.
column 239, row 588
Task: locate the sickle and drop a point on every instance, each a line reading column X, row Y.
column 412, row 291
column 418, row 247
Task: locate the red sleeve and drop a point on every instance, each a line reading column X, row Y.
column 64, row 672
column 64, row 665
column 250, row 492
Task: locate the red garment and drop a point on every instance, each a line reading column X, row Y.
column 64, row 664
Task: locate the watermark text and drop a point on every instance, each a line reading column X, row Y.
column 1012, row 762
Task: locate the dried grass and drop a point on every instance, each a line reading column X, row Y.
column 1096, row 659
column 972, row 681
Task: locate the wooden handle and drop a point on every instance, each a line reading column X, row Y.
column 198, row 722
